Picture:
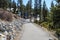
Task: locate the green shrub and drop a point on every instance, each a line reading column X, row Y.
column 58, row 32
column 45, row 24
column 36, row 22
column 51, row 25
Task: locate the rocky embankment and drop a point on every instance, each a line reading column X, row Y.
column 10, row 25
column 11, row 29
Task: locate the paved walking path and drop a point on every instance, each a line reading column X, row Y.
column 32, row 32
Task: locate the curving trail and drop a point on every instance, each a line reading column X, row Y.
column 32, row 32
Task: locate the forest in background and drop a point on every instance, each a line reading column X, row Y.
column 49, row 19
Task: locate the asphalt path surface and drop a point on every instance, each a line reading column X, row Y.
column 32, row 32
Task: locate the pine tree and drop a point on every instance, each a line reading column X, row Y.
column 40, row 9
column 50, row 16
column 58, row 1
column 14, row 6
column 30, row 3
column 51, row 12
column 52, row 9
column 10, row 4
column 35, row 9
column 3, row 3
column 20, row 2
column 52, row 6
column 56, row 15
column 29, row 8
column 24, row 10
column 44, row 11
column 56, row 18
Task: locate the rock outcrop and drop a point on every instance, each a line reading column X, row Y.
column 10, row 24
column 12, row 28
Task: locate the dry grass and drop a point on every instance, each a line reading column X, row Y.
column 15, row 16
column 5, row 15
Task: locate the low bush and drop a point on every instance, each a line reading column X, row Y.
column 58, row 32
column 36, row 21
column 51, row 26
column 45, row 24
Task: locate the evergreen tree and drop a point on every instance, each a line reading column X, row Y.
column 35, row 9
column 58, row 1
column 30, row 3
column 3, row 3
column 10, row 4
column 20, row 3
column 50, row 14
column 56, row 15
column 24, row 10
column 44, row 11
column 30, row 13
column 14, row 6
column 39, row 11
column 52, row 9
column 52, row 6
column 28, row 8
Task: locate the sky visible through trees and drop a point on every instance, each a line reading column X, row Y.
column 48, row 3
column 48, row 11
